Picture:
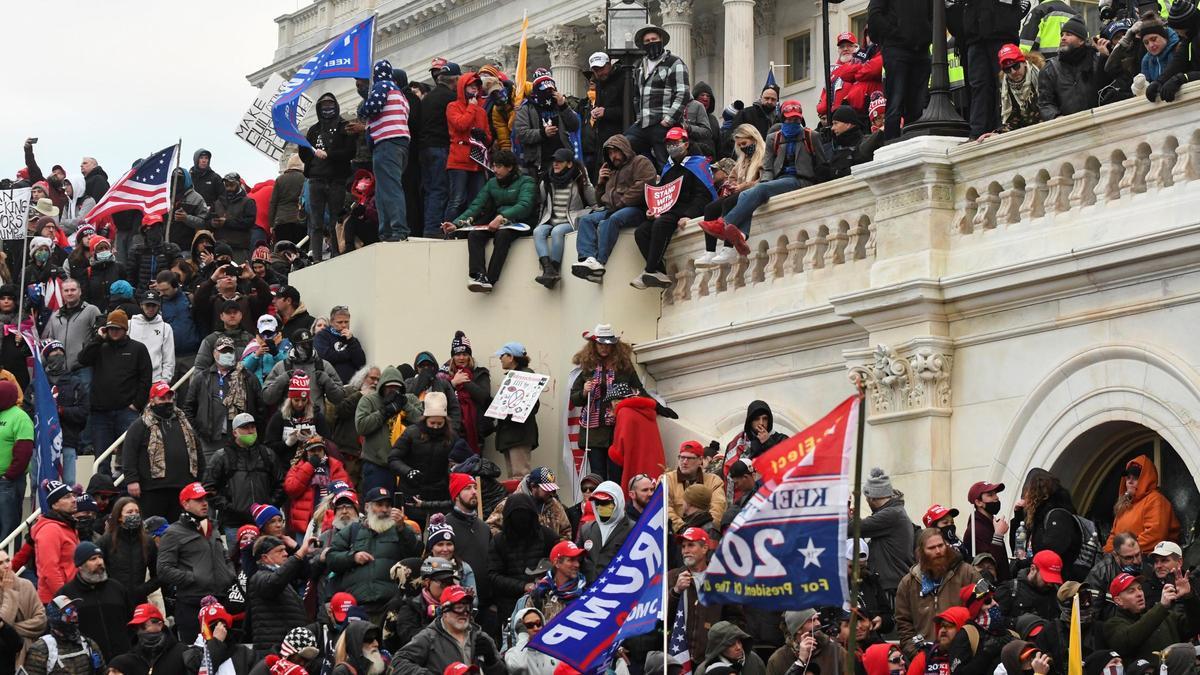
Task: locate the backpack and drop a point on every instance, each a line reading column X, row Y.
column 973, row 636
column 1090, row 546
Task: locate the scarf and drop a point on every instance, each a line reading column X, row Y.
column 567, row 592
column 589, row 417
column 470, row 412
column 929, row 586
column 431, row 603
column 560, row 181
column 156, row 447
column 234, row 399
column 1023, row 94
column 791, row 132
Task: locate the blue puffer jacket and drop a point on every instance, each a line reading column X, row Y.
column 177, row 311
column 261, row 365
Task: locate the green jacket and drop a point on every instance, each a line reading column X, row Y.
column 514, row 202
column 371, row 583
column 371, row 423
column 1137, row 637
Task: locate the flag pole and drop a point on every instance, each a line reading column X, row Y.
column 21, row 293
column 171, row 197
column 855, row 573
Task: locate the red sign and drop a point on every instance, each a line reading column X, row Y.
column 818, row 450
column 660, row 199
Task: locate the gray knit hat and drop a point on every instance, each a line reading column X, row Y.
column 795, row 619
column 878, row 485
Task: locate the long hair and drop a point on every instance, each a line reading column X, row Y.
column 114, row 526
column 1039, row 485
column 748, row 168
column 521, row 362
column 925, row 563
column 360, row 375
column 621, row 359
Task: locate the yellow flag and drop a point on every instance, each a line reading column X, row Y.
column 522, row 59
column 1075, row 646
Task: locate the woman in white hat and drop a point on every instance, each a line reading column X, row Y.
column 603, row 362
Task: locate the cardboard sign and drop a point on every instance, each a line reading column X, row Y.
column 517, row 395
column 660, row 199
column 14, row 212
column 257, row 128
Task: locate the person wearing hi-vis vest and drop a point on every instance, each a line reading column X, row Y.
column 980, row 29
column 1042, row 29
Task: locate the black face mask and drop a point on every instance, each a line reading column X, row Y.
column 133, row 522
column 654, row 50
column 85, row 527
column 949, row 535
column 152, row 641
column 303, row 353
column 56, row 364
column 992, row 508
column 163, row 409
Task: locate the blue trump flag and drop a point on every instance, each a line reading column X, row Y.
column 786, row 549
column 47, row 432
column 624, row 601
column 347, row 55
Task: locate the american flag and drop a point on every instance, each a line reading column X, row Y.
column 144, row 188
column 574, row 458
column 678, row 644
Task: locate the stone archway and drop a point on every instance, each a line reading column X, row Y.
column 1108, row 383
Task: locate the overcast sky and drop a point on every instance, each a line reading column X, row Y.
column 120, row 79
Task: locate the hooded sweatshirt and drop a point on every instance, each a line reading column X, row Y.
column 328, row 134
column 206, row 181
column 722, row 636
column 602, row 538
column 520, row 659
column 1150, row 516
column 373, row 423
column 754, row 446
column 159, row 339
column 386, row 107
column 626, row 185
column 465, row 119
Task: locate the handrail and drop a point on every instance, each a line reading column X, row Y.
column 19, row 532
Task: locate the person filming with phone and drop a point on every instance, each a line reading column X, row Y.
column 1136, row 631
column 361, row 557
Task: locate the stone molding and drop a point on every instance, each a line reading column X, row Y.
column 562, row 43
column 912, row 380
column 676, row 11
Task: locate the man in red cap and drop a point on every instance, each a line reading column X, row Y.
column 162, row 453
column 215, row 639
column 696, row 546
column 1036, row 592
column 155, row 645
column 562, row 583
column 192, row 558
column 694, row 192
column 1137, row 632
column 688, row 473
column 986, row 528
column 1018, row 90
column 450, row 637
column 933, row 658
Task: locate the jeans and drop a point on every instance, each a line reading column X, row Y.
column 10, row 506
column 464, row 185
column 323, row 195
column 905, row 85
column 983, row 78
column 477, row 242
column 433, row 180
column 549, row 240
column 598, row 233
column 739, row 216
column 389, row 159
column 107, row 425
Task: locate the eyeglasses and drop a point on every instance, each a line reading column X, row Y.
column 533, row 624
column 1012, row 67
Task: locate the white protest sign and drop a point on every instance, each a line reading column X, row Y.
column 517, row 395
column 660, row 199
column 256, row 127
column 14, row 212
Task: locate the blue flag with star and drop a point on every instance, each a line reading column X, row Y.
column 624, row 601
column 786, row 549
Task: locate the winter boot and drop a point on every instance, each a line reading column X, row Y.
column 549, row 275
column 552, row 274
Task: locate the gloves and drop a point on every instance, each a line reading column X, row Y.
column 1134, row 31
column 391, row 409
column 1138, row 88
column 1171, row 87
column 1152, row 91
column 314, row 461
column 664, row 411
column 485, row 649
column 414, row 475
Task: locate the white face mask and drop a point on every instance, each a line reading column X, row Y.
column 226, row 359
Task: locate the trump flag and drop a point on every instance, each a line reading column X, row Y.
column 785, row 550
column 347, row 55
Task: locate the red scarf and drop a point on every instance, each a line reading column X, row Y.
column 470, row 412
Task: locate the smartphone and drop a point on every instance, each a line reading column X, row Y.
column 233, row 270
column 399, row 499
column 33, row 140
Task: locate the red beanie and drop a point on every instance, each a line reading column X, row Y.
column 459, row 482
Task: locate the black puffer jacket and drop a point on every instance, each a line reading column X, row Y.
column 239, row 212
column 901, row 23
column 472, row 544
column 275, row 607
column 103, row 612
column 328, row 134
column 520, row 546
column 128, row 562
column 241, row 477
column 420, row 449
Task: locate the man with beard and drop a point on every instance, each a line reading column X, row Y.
column 357, row 651
column 155, row 645
column 986, row 528
column 976, row 648
column 191, row 558
column 933, row 658
column 727, row 652
column 562, row 583
column 408, row 613
column 421, row 456
column 64, row 651
column 1137, row 632
column 54, row 540
column 1037, row 591
column 695, row 545
column 687, row 474
column 1071, row 81
column 517, row 551
column 375, row 416
column 763, row 114
column 363, row 555
column 805, row 644
column 930, row 587
column 452, row 637
column 541, row 486
column 103, row 603
column 603, row 537
column 889, row 529
column 641, row 490
column 472, row 536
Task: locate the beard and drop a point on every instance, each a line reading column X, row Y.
column 342, row 523
column 380, row 524
column 936, row 567
column 96, row 577
column 469, row 505
column 376, row 660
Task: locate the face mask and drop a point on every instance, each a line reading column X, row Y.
column 41, row 256
column 303, row 352
column 132, row 522
column 163, row 409
column 949, row 535
column 1131, row 569
column 677, row 151
column 56, row 364
column 103, row 256
column 84, row 527
column 151, row 641
column 247, row 440
column 747, row 150
column 328, row 111
column 605, row 509
column 471, row 92
column 226, row 359
column 654, row 50
column 1118, row 669
column 992, row 508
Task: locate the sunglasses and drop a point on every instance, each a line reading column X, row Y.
column 1012, row 67
column 533, row 624
column 896, row 660
column 461, row 608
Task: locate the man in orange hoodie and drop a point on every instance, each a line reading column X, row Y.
column 54, row 541
column 466, row 119
column 1141, row 508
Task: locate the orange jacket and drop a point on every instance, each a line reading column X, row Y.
column 54, row 543
column 462, row 117
column 1150, row 517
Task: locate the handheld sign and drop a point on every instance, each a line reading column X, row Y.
column 257, row 128
column 517, row 396
column 14, row 213
column 660, row 199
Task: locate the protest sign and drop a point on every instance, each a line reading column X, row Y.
column 257, row 128
column 517, row 396
column 660, row 199
column 14, row 212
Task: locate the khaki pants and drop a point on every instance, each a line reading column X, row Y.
column 517, row 461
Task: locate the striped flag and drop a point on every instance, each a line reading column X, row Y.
column 677, row 646
column 144, row 188
column 574, row 459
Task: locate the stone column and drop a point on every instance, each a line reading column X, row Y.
column 562, row 43
column 677, row 21
column 739, row 79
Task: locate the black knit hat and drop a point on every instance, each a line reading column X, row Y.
column 1181, row 14
column 1075, row 27
column 460, row 344
column 845, row 113
column 1152, row 25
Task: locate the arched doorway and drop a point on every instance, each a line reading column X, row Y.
column 1091, row 465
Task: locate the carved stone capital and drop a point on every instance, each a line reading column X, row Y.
column 676, row 11
column 764, row 17
column 912, row 379
column 562, row 43
column 704, row 35
column 598, row 17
